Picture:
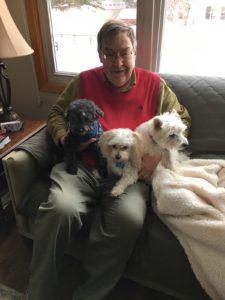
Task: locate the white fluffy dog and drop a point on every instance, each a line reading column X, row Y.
column 164, row 134
column 124, row 149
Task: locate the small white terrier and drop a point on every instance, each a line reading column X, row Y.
column 124, row 149
column 164, row 134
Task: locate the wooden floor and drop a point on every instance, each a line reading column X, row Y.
column 15, row 256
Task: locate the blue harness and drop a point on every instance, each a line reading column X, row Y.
column 120, row 164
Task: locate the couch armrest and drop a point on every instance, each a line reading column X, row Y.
column 21, row 170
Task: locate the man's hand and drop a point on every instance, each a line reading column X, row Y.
column 149, row 163
column 62, row 140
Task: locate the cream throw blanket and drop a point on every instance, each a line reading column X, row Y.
column 191, row 202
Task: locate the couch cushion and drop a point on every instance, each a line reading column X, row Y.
column 159, row 262
column 204, row 97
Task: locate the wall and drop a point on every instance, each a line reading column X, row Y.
column 26, row 98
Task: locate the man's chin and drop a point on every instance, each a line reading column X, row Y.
column 120, row 83
column 118, row 80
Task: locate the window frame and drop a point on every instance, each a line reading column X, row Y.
column 148, row 53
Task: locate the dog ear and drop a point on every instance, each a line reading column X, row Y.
column 157, row 123
column 99, row 112
column 136, row 151
column 104, row 142
column 67, row 118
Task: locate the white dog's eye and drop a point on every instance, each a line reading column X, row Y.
column 114, row 146
column 172, row 136
column 124, row 148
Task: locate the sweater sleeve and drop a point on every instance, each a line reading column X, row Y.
column 168, row 101
column 56, row 123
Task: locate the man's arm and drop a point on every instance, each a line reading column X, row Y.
column 56, row 123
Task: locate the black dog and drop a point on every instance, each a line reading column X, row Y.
column 82, row 122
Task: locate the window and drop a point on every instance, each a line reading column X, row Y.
column 51, row 72
column 222, row 16
column 210, row 13
column 174, row 36
column 192, row 41
column 74, row 29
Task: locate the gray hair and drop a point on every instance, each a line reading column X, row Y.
column 111, row 28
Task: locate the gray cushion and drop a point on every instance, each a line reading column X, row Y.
column 204, row 97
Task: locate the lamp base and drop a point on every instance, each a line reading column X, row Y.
column 9, row 115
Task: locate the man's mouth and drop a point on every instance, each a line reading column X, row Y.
column 118, row 71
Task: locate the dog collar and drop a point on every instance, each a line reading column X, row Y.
column 120, row 164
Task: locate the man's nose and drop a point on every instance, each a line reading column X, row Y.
column 118, row 61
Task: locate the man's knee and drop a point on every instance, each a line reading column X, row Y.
column 124, row 220
column 130, row 221
column 66, row 202
column 130, row 211
column 58, row 211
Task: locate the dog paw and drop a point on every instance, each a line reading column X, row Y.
column 116, row 191
column 96, row 174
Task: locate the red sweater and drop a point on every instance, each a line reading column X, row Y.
column 122, row 109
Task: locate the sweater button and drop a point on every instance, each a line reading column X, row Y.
column 140, row 107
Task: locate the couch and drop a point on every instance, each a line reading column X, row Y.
column 158, row 260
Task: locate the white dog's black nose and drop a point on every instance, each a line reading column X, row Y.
column 184, row 145
column 118, row 156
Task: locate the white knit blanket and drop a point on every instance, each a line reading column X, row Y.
column 191, row 202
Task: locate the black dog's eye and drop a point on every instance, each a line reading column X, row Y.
column 172, row 136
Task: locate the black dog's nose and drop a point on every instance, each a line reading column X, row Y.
column 118, row 156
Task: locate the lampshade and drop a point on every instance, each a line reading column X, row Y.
column 12, row 44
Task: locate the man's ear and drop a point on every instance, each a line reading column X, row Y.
column 100, row 55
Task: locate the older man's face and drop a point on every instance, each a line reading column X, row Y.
column 118, row 59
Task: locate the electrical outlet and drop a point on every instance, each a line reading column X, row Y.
column 40, row 101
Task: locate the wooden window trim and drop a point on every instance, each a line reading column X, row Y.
column 147, row 57
column 45, row 85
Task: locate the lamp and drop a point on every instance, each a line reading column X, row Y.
column 12, row 44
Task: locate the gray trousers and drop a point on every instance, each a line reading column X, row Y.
column 114, row 231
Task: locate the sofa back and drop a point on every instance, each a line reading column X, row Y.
column 204, row 98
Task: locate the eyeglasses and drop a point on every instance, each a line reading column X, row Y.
column 123, row 55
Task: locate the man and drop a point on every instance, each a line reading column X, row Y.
column 128, row 96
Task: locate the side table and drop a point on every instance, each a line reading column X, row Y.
column 30, row 128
